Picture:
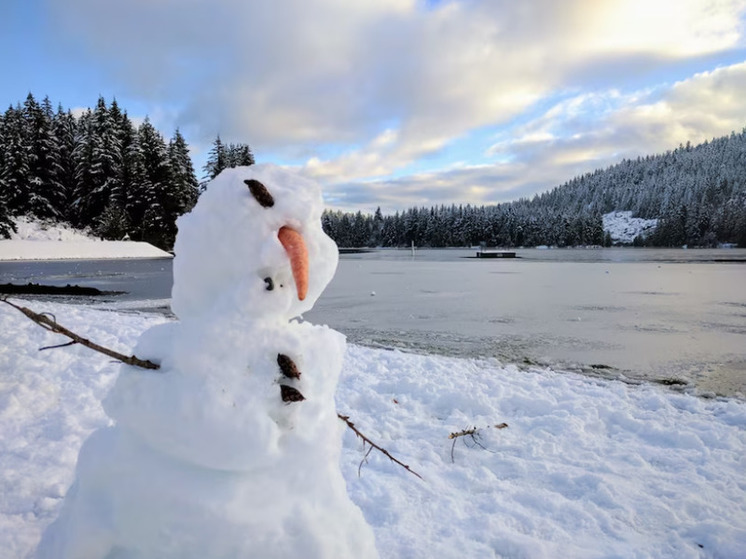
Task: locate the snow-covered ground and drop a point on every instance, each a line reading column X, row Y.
column 624, row 228
column 585, row 468
column 38, row 240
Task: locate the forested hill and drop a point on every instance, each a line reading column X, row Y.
column 698, row 194
column 100, row 171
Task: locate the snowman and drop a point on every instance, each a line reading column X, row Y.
column 231, row 449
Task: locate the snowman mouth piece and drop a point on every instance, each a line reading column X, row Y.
column 297, row 251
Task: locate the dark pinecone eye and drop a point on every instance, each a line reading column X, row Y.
column 270, row 284
column 260, row 192
column 290, row 394
column 287, row 366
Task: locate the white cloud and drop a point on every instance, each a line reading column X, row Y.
column 571, row 138
column 400, row 80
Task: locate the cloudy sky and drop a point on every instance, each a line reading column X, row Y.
column 395, row 103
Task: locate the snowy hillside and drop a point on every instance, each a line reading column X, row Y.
column 35, row 230
column 42, row 240
column 586, row 468
column 623, row 228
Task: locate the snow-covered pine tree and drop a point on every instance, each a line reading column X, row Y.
column 182, row 188
column 239, row 155
column 62, row 172
column 156, row 228
column 44, row 201
column 14, row 175
column 217, row 160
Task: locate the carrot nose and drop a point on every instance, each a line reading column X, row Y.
column 297, row 251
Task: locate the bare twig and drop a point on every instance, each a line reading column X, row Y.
column 364, row 460
column 473, row 433
column 57, row 346
column 351, row 425
column 51, row 324
column 44, row 320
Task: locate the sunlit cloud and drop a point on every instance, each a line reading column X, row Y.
column 363, row 95
column 573, row 138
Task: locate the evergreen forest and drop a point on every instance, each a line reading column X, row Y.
column 698, row 195
column 99, row 171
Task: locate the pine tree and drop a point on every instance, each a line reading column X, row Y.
column 182, row 188
column 62, row 171
column 217, row 160
column 14, row 175
column 157, row 225
column 239, row 155
column 181, row 174
column 6, row 223
column 43, row 200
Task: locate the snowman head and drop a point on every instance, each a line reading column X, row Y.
column 253, row 245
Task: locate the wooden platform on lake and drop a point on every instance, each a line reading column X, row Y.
column 495, row 254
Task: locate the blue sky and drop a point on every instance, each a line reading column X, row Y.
column 395, row 103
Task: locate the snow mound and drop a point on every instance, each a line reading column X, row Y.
column 30, row 229
column 623, row 228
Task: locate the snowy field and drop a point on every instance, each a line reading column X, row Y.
column 38, row 240
column 585, row 468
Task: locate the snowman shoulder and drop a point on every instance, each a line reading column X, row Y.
column 153, row 344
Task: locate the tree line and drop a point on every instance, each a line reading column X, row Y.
column 100, row 171
column 698, row 195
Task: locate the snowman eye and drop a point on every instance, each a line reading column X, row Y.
column 270, row 284
column 260, row 193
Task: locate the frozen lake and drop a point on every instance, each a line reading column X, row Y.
column 677, row 316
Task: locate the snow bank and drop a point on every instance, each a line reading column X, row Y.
column 78, row 250
column 623, row 228
column 30, row 229
column 39, row 240
column 586, row 468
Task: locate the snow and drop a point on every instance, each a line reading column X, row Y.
column 624, row 228
column 39, row 240
column 585, row 468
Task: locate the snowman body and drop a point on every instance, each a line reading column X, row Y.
column 209, row 456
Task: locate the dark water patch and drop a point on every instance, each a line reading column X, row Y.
column 502, row 320
column 657, row 329
column 599, row 308
column 39, row 289
column 654, row 293
column 670, row 381
column 733, row 304
column 739, row 329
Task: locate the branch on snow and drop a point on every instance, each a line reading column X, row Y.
column 49, row 322
column 351, row 425
column 474, row 434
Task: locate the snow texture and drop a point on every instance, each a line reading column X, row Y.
column 39, row 240
column 587, row 468
column 204, row 458
column 623, row 228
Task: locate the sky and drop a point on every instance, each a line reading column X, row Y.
column 398, row 103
